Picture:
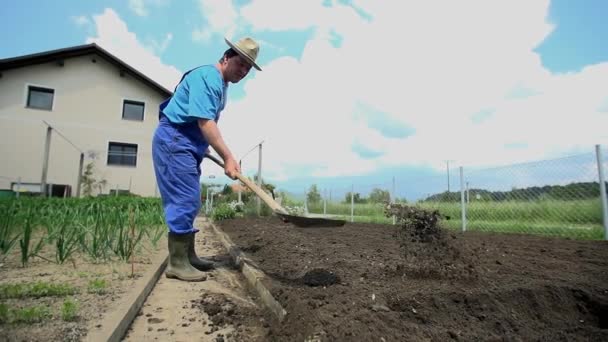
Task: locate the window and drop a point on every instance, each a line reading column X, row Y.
column 40, row 98
column 133, row 110
column 122, row 154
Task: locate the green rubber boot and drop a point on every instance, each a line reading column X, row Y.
column 179, row 266
column 200, row 264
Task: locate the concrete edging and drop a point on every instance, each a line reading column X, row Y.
column 115, row 325
column 252, row 273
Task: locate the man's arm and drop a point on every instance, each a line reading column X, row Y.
column 212, row 134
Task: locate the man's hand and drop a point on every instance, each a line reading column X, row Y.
column 231, row 167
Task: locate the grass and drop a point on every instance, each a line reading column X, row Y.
column 69, row 310
column 35, row 290
column 577, row 219
column 97, row 286
column 33, row 314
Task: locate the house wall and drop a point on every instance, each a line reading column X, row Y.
column 87, row 111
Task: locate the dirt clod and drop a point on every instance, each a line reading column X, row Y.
column 428, row 250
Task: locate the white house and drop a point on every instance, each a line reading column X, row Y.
column 96, row 105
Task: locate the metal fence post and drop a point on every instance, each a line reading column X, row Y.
column 462, row 201
column 324, row 201
column 258, row 201
column 352, row 203
column 79, row 178
column 393, row 200
column 600, row 169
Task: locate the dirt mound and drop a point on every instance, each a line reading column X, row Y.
column 430, row 251
column 223, row 311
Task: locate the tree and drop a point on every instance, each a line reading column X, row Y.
column 88, row 181
column 379, row 196
column 356, row 198
column 227, row 191
column 313, row 195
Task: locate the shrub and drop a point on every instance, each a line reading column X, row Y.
column 223, row 212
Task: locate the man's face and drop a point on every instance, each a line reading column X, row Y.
column 236, row 69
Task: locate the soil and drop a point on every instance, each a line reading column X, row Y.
column 77, row 272
column 367, row 282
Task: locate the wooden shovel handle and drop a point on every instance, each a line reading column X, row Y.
column 251, row 185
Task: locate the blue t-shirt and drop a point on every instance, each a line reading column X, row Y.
column 201, row 94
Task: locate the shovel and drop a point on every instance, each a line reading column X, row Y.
column 300, row 221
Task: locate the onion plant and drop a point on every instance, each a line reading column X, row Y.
column 8, row 233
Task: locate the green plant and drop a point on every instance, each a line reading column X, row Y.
column 35, row 290
column 69, row 310
column 32, row 314
column 66, row 238
column 97, row 286
column 24, row 242
column 88, row 180
column 4, row 313
column 155, row 233
column 223, row 212
column 128, row 238
column 8, row 236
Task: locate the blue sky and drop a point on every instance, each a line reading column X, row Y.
column 358, row 91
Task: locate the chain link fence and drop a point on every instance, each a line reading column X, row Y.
column 558, row 197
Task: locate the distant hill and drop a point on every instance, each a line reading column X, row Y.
column 573, row 191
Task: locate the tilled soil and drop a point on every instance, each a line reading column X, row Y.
column 358, row 283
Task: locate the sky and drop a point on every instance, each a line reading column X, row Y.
column 361, row 91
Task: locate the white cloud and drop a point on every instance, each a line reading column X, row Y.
column 221, row 17
column 113, row 35
column 81, row 20
column 432, row 66
column 141, row 7
column 160, row 47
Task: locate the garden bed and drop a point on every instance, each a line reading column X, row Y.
column 47, row 301
column 358, row 282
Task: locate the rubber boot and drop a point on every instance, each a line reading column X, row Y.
column 179, row 266
column 200, row 264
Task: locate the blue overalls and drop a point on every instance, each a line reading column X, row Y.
column 178, row 145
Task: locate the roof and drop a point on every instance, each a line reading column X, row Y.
column 77, row 51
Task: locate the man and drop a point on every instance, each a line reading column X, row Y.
column 187, row 127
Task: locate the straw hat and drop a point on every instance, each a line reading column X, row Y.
column 247, row 48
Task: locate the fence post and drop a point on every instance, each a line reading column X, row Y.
column 45, row 161
column 324, row 201
column 393, row 199
column 600, row 169
column 462, row 201
column 79, row 178
column 352, row 203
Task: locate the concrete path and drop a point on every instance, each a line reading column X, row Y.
column 220, row 308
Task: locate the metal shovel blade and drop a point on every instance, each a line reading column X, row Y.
column 309, row 222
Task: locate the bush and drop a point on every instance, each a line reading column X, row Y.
column 223, row 212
